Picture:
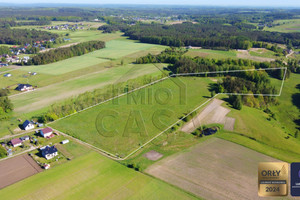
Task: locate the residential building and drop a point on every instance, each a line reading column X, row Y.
column 16, row 142
column 46, row 132
column 24, row 87
column 49, row 152
column 27, row 125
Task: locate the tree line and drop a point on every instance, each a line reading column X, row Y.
column 179, row 63
column 23, row 36
column 6, row 106
column 246, row 82
column 216, row 36
column 65, row 53
column 91, row 98
column 11, row 23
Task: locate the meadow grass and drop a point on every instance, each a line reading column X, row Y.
column 208, row 53
column 148, row 117
column 266, row 131
column 92, row 176
column 264, row 53
column 46, row 96
column 288, row 111
column 3, row 69
column 286, row 26
column 114, row 49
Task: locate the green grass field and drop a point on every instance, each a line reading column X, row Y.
column 92, row 176
column 274, row 137
column 263, row 53
column 208, row 53
column 287, row 111
column 286, row 26
column 136, row 122
column 46, row 96
column 114, row 49
column 3, row 69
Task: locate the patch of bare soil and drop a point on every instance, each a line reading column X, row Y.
column 153, row 155
column 244, row 54
column 17, row 168
column 214, row 169
column 214, row 113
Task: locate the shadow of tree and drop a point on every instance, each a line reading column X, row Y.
column 296, row 102
column 213, row 87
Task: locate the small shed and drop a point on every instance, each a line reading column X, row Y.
column 65, row 141
column 24, row 138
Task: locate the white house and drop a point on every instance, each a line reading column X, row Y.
column 27, row 125
column 24, row 87
column 49, row 152
column 46, row 132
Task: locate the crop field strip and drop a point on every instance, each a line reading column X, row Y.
column 99, row 177
column 198, row 107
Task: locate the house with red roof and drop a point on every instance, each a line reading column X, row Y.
column 46, row 132
column 16, row 142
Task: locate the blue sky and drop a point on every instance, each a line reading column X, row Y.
column 272, row 3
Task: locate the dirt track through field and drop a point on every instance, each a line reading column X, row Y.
column 64, row 46
column 214, row 113
column 244, row 54
column 214, row 169
column 17, row 168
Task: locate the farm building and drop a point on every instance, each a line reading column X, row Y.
column 16, row 142
column 65, row 141
column 24, row 87
column 27, row 125
column 24, row 138
column 49, row 152
column 46, row 132
column 7, row 75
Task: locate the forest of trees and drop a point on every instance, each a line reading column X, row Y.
column 22, row 36
column 11, row 23
column 5, row 104
column 64, row 53
column 246, row 82
column 184, row 64
column 215, row 36
column 4, row 50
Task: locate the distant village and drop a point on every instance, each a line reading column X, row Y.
column 65, row 27
column 16, row 55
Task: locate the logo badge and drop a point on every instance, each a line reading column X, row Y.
column 273, row 179
column 295, row 179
